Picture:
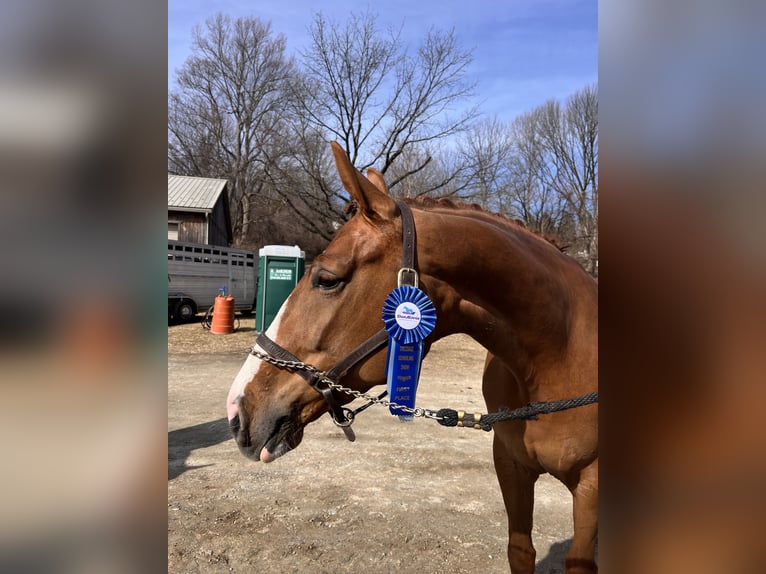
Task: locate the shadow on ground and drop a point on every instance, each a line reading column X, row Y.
column 183, row 441
column 553, row 563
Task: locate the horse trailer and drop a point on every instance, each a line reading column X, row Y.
column 197, row 273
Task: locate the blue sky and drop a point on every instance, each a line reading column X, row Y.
column 525, row 52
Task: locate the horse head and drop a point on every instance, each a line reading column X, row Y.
column 335, row 306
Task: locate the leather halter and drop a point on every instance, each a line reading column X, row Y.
column 407, row 276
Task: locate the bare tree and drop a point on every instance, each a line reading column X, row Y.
column 305, row 182
column 542, row 169
column 571, row 136
column 533, row 198
column 487, row 151
column 228, row 114
column 509, row 170
column 384, row 105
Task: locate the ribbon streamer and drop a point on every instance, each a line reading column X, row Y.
column 409, row 316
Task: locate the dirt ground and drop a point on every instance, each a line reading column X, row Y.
column 404, row 498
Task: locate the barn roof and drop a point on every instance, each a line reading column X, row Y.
column 193, row 193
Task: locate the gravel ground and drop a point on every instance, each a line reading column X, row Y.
column 404, row 498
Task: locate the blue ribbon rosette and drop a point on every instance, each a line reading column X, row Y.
column 409, row 317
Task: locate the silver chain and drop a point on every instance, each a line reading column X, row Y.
column 321, row 375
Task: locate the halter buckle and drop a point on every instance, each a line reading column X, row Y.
column 345, row 426
column 400, row 276
column 349, row 414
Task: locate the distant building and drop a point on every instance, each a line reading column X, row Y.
column 198, row 210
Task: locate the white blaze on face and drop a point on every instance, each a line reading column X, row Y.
column 250, row 369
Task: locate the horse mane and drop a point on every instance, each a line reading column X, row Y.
column 447, row 203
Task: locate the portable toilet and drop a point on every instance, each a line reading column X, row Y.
column 280, row 267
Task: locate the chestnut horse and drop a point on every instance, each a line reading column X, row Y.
column 533, row 308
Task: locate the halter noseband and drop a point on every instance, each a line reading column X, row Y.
column 282, row 358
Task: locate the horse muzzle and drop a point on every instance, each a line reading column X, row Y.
column 268, row 439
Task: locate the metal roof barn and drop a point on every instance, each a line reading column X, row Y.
column 198, row 210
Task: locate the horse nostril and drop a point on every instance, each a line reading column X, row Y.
column 234, row 425
column 241, row 436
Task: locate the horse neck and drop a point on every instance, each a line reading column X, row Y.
column 513, row 292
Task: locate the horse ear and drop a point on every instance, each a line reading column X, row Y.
column 371, row 199
column 377, row 179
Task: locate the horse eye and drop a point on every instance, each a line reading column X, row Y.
column 326, row 281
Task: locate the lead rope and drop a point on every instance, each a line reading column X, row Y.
column 451, row 418
column 445, row 417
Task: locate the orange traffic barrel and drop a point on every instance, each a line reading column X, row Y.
column 223, row 315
